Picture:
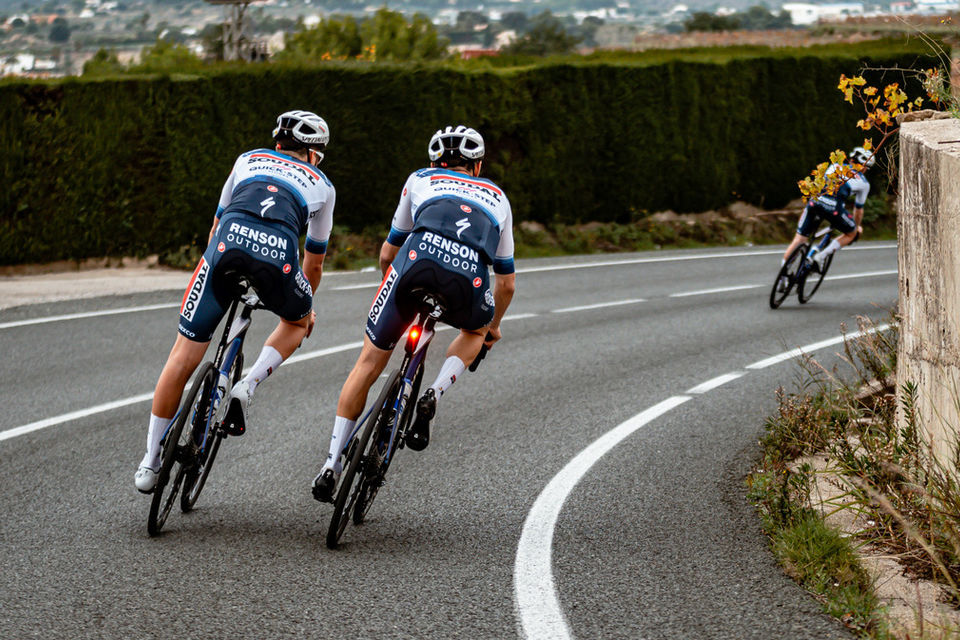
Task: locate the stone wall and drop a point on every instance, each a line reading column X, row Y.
column 928, row 230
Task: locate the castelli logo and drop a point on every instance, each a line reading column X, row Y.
column 286, row 268
column 271, row 188
column 465, row 208
column 412, row 255
column 477, row 282
column 221, row 247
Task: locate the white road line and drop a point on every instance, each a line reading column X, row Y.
column 348, row 287
column 866, row 274
column 799, row 351
column 601, row 305
column 536, row 596
column 705, row 256
column 143, row 397
column 88, row 314
column 709, row 385
column 702, row 292
column 537, row 605
column 49, row 422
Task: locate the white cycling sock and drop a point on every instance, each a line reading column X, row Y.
column 266, row 364
column 342, row 427
column 452, row 368
column 831, row 248
column 154, row 434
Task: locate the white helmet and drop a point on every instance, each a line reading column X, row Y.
column 305, row 127
column 863, row 156
column 453, row 145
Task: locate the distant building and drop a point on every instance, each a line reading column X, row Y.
column 803, row 13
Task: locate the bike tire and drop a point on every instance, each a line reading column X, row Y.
column 197, row 477
column 375, row 468
column 349, row 490
column 176, row 458
column 807, row 287
column 789, row 269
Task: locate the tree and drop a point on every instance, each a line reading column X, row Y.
column 388, row 36
column 167, row 57
column 704, row 21
column 516, row 20
column 545, row 37
column 337, row 37
column 469, row 20
column 60, row 31
column 103, row 63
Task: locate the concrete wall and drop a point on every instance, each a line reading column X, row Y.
column 928, row 229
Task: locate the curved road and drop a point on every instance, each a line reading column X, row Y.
column 650, row 534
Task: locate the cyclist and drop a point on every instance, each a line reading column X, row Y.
column 832, row 208
column 270, row 198
column 449, row 225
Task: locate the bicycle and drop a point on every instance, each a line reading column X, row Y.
column 188, row 454
column 799, row 267
column 383, row 429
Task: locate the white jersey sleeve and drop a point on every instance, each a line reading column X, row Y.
column 503, row 262
column 320, row 225
column 402, row 222
column 226, row 194
column 860, row 189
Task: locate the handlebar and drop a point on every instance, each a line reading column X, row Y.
column 481, row 355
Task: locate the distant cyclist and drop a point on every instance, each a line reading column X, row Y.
column 832, row 208
column 269, row 200
column 449, row 226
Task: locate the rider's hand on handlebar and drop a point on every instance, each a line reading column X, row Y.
column 493, row 334
column 310, row 323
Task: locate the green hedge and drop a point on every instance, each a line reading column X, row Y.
column 134, row 165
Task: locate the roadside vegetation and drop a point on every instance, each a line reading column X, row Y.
column 840, row 484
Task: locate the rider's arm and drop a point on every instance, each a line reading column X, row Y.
column 319, row 227
column 505, row 277
column 388, row 252
column 313, row 268
column 503, row 289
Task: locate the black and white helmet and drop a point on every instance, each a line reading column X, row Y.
column 455, row 145
column 305, row 127
column 863, row 157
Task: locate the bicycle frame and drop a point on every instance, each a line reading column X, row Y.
column 419, row 336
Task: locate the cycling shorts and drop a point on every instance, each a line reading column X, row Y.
column 263, row 252
column 840, row 219
column 441, row 266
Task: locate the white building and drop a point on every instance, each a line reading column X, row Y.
column 804, row 13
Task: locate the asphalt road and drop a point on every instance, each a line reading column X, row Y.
column 653, row 539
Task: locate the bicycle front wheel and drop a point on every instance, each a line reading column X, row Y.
column 178, row 456
column 362, row 464
column 812, row 282
column 789, row 271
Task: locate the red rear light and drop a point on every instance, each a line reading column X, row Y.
column 414, row 334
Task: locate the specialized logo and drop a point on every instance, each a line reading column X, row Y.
column 477, row 282
column 221, row 247
column 266, row 204
column 412, row 255
column 286, row 268
column 463, row 224
column 382, row 294
column 465, row 208
column 272, row 189
column 195, row 291
column 404, row 191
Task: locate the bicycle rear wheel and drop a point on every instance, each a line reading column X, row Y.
column 361, row 460
column 178, row 455
column 809, row 285
column 197, row 476
column 789, row 270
